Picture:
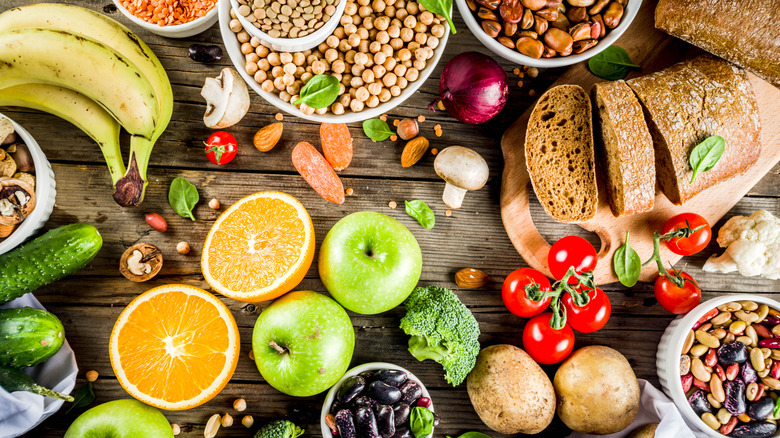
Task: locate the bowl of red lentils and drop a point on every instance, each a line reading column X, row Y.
column 720, row 364
column 170, row 18
column 381, row 52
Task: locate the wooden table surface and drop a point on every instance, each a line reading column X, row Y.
column 89, row 302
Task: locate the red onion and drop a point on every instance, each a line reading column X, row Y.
column 473, row 87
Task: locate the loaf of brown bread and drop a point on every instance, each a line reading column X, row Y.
column 559, row 154
column 625, row 149
column 688, row 102
column 745, row 32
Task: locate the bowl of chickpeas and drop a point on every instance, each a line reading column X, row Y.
column 381, row 52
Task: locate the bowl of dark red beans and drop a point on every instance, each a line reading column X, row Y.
column 378, row 400
column 720, row 364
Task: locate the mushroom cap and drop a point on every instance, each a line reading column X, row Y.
column 461, row 167
column 227, row 99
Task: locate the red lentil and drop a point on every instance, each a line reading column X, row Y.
column 168, row 12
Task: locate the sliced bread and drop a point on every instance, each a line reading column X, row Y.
column 559, row 154
column 688, row 102
column 625, row 149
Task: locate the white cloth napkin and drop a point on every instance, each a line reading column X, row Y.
column 654, row 407
column 21, row 411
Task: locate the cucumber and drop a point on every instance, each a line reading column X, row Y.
column 28, row 336
column 14, row 380
column 54, row 255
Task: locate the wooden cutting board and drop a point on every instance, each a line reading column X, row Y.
column 653, row 50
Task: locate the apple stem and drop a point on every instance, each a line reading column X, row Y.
column 276, row 347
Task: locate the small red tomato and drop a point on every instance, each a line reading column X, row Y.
column 675, row 299
column 693, row 243
column 515, row 298
column 544, row 344
column 571, row 251
column 221, row 148
column 590, row 317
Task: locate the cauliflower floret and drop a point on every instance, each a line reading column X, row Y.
column 753, row 246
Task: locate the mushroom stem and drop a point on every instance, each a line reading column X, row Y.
column 453, row 195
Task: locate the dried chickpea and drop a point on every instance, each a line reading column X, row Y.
column 345, row 99
column 295, row 88
column 353, row 40
column 247, row 48
column 251, row 68
column 368, row 76
column 262, row 51
column 356, row 105
column 344, row 45
column 321, row 110
column 362, row 94
column 437, row 30
column 420, row 38
column 407, row 34
column 288, row 79
column 419, row 65
column 388, row 50
column 404, row 54
column 277, row 71
column 273, row 59
column 305, row 77
column 368, row 22
column 235, row 25
column 286, row 57
column 339, row 32
column 372, row 102
column 361, row 58
column 375, row 46
column 396, row 44
column 299, row 58
column 413, row 46
column 384, row 95
column 260, row 76
column 390, row 10
column 410, row 21
column 267, row 86
column 285, row 96
column 356, row 81
column 395, row 90
column 426, row 18
column 337, row 108
column 399, row 70
column 394, row 31
column 338, row 66
column 402, row 82
column 290, row 68
column 306, row 109
column 382, row 22
column 375, row 88
column 349, row 57
column 243, row 37
column 389, row 79
column 332, row 41
column 389, row 63
column 433, row 42
column 318, row 67
column 252, row 57
column 279, row 84
column 357, row 70
column 412, row 74
column 365, row 11
column 349, row 29
column 379, row 71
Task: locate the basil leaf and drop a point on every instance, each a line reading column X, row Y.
column 611, row 64
column 377, row 129
column 421, row 422
column 627, row 264
column 319, row 92
column 420, row 211
column 706, row 154
column 441, row 7
column 183, row 196
column 82, row 397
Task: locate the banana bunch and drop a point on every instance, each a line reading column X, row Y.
column 93, row 72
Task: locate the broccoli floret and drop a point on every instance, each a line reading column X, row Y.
column 442, row 329
column 279, row 429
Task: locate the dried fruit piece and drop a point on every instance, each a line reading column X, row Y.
column 317, row 172
column 413, row 151
column 156, row 221
column 336, row 144
column 470, row 278
column 266, row 138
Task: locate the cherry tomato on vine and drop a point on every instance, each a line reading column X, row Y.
column 676, row 299
column 515, row 298
column 590, row 317
column 693, row 243
column 221, row 147
column 545, row 344
column 571, row 251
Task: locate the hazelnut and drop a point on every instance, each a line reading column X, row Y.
column 248, row 421
column 408, row 129
column 239, row 405
column 91, row 376
column 176, row 429
column 183, row 247
column 141, row 262
column 214, row 204
column 227, row 420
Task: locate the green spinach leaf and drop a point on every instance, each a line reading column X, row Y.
column 706, row 155
column 611, row 64
column 82, row 397
column 421, row 422
column 472, row 435
column 627, row 264
column 319, row 92
column 183, row 196
column 377, row 129
column 441, row 7
column 420, row 211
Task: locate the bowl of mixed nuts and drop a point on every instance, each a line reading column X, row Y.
column 548, row 33
column 27, row 188
column 720, row 364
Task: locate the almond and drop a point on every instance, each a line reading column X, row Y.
column 470, row 278
column 267, row 137
column 413, row 151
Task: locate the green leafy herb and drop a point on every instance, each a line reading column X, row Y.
column 611, row 64
column 627, row 264
column 183, row 196
column 776, row 410
column 82, row 397
column 377, row 129
column 420, row 211
column 421, row 422
column 472, row 435
column 441, row 7
column 319, row 92
column 706, row 154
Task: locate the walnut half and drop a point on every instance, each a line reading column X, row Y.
column 141, row 262
column 17, row 201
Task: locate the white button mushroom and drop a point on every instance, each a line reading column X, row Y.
column 463, row 170
column 227, row 99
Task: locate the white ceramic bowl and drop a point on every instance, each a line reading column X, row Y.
column 234, row 51
column 514, row 56
column 293, row 44
column 175, row 30
column 371, row 366
column 670, row 348
column 45, row 193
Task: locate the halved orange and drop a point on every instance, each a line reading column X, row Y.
column 259, row 248
column 174, row 347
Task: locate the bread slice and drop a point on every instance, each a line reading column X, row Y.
column 688, row 102
column 559, row 154
column 625, row 149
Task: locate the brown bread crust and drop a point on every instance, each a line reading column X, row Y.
column 688, row 102
column 745, row 32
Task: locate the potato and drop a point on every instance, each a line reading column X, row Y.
column 510, row 392
column 597, row 391
column 646, row 431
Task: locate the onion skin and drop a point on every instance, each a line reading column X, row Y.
column 473, row 87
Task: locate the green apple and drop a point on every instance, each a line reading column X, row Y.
column 370, row 262
column 121, row 419
column 303, row 343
